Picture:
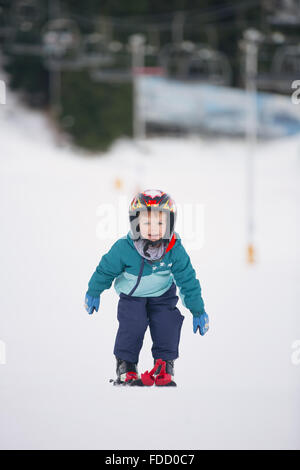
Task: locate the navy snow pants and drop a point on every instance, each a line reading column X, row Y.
column 162, row 316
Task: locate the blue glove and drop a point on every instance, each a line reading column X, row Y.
column 91, row 304
column 201, row 323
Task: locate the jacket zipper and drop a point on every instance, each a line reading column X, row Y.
column 141, row 272
column 139, row 277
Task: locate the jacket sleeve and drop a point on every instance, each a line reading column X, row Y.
column 185, row 278
column 110, row 266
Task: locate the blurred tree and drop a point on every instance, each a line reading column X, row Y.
column 28, row 74
column 99, row 113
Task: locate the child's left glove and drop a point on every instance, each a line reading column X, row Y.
column 91, row 303
column 201, row 322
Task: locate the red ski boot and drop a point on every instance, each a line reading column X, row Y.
column 148, row 378
column 165, row 374
column 126, row 373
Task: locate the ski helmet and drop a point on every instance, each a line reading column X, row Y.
column 152, row 199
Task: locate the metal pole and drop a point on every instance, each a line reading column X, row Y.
column 2, row 82
column 251, row 47
column 178, row 28
column 55, row 90
column 137, row 45
column 54, row 71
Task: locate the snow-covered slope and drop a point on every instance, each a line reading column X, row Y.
column 237, row 386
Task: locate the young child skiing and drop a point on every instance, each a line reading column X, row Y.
column 147, row 264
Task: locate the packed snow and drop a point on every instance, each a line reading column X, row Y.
column 238, row 386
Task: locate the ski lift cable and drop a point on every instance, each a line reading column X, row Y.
column 188, row 26
column 219, row 13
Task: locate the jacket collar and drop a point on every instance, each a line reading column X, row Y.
column 172, row 242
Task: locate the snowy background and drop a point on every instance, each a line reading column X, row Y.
column 237, row 386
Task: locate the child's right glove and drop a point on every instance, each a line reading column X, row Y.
column 201, row 322
column 91, row 304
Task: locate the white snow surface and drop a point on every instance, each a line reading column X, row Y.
column 238, row 387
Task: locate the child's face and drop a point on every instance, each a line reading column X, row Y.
column 153, row 224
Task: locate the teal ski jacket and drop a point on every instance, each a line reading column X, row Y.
column 136, row 276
